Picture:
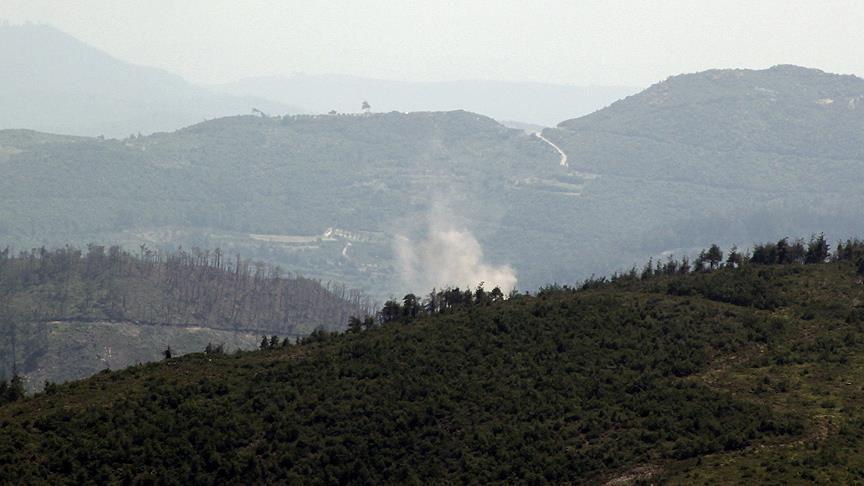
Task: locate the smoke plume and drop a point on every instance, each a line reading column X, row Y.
column 448, row 256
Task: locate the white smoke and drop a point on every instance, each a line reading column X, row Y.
column 448, row 256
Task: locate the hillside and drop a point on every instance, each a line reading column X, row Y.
column 737, row 153
column 326, row 196
column 788, row 110
column 534, row 103
column 52, row 82
column 67, row 314
column 751, row 373
column 377, row 201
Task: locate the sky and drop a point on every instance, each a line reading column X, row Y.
column 580, row 42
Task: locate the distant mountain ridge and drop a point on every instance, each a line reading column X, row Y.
column 52, row 82
column 785, row 109
column 526, row 102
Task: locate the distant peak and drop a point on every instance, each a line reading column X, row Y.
column 792, row 68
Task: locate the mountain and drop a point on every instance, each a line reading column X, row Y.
column 747, row 374
column 67, row 314
column 380, row 201
column 533, row 103
column 740, row 154
column 331, row 197
column 52, row 82
column 785, row 110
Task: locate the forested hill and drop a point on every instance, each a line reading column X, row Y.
column 67, row 313
column 729, row 369
column 322, row 195
column 732, row 154
column 786, row 110
column 721, row 156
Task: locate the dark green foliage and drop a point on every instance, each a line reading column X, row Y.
column 785, row 253
column 694, row 147
column 568, row 384
column 218, row 349
column 745, row 287
column 765, row 254
column 12, row 391
column 390, row 312
column 817, row 250
column 463, row 387
column 714, row 256
column 50, row 388
column 355, row 324
column 735, row 259
column 708, row 260
column 850, row 251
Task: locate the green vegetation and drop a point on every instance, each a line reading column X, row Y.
column 666, row 374
column 718, row 156
column 270, row 188
column 727, row 155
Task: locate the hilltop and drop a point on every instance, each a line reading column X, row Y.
column 787, row 110
column 749, row 373
column 53, row 82
column 533, row 103
column 734, row 153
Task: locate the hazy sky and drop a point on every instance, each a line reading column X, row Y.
column 634, row 42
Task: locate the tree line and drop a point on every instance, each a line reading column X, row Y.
column 147, row 287
column 782, row 252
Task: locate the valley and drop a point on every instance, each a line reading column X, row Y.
column 620, row 197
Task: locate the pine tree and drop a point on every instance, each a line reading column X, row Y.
column 797, row 252
column 684, row 268
column 714, row 256
column 354, row 324
column 391, row 311
column 648, row 269
column 12, row 391
column 410, row 306
column 817, row 250
column 783, row 251
column 734, row 259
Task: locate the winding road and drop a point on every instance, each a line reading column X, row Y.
column 563, row 155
